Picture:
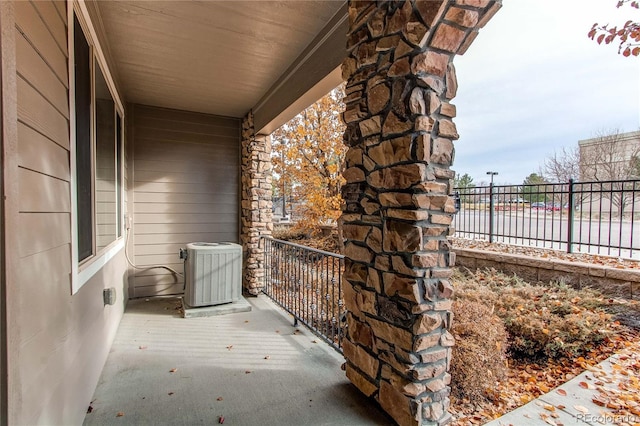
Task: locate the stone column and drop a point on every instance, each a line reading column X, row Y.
column 256, row 215
column 398, row 211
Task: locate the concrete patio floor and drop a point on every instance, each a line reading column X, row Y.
column 252, row 368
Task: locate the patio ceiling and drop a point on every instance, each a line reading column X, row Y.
column 225, row 57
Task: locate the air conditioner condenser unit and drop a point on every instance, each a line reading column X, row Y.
column 212, row 273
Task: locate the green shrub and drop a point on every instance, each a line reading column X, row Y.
column 479, row 356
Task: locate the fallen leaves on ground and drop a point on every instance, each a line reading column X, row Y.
column 619, row 391
column 173, row 370
column 119, row 414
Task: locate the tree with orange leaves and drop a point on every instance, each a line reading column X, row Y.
column 308, row 153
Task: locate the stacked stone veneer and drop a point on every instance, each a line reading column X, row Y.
column 256, row 219
column 398, row 212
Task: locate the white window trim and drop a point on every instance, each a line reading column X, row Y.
column 81, row 273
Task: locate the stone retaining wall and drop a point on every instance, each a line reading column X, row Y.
column 611, row 281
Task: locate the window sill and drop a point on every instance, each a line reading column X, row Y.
column 83, row 273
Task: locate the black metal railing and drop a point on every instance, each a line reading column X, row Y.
column 590, row 217
column 307, row 283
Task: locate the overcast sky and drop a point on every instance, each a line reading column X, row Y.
column 533, row 82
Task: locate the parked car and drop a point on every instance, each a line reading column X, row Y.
column 554, row 207
column 519, row 201
column 538, row 205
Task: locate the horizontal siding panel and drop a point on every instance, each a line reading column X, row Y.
column 227, row 187
column 37, row 113
column 162, row 272
column 174, row 165
column 42, row 193
column 182, row 142
column 183, row 232
column 209, row 149
column 105, row 218
column 208, row 177
column 185, row 182
column 148, row 270
column 167, row 249
column 42, row 231
column 41, row 154
column 169, row 218
column 165, row 238
column 177, row 198
column 29, row 23
column 107, row 231
column 164, row 279
column 57, row 26
column 35, row 70
column 61, row 6
column 171, row 260
column 215, row 131
column 215, row 208
column 106, row 197
column 157, row 290
column 182, row 165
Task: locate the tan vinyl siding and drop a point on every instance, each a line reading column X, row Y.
column 35, row 110
column 37, row 152
column 185, row 185
column 58, row 342
column 28, row 22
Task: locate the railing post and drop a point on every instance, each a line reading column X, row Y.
column 570, row 218
column 491, row 212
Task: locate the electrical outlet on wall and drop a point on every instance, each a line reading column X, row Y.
column 109, row 296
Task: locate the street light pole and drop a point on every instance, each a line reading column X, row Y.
column 492, row 174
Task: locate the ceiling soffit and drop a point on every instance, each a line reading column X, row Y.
column 223, row 57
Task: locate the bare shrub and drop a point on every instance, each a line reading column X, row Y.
column 550, row 321
column 479, row 356
column 290, row 233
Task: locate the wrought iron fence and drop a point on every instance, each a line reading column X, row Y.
column 307, row 283
column 591, row 217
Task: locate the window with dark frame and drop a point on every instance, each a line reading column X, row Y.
column 98, row 153
column 84, row 187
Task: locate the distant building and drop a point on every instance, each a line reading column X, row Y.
column 610, row 157
column 615, row 158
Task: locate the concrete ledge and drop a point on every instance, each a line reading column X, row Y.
column 610, row 281
column 209, row 311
